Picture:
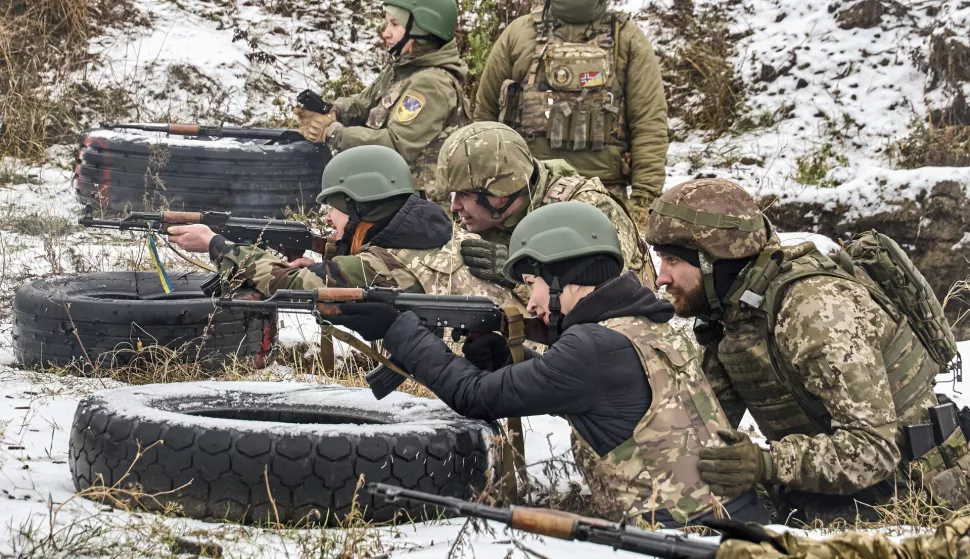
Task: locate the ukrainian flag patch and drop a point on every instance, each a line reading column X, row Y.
column 409, row 107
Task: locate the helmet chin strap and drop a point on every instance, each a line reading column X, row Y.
column 395, row 51
column 496, row 213
column 556, row 284
column 343, row 245
column 707, row 276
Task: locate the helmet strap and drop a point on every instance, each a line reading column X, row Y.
column 497, row 212
column 395, row 51
column 707, row 276
column 556, row 283
column 353, row 214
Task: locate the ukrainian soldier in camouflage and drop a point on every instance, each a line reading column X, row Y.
column 950, row 541
column 386, row 236
column 582, row 84
column 417, row 99
column 628, row 383
column 497, row 183
column 827, row 373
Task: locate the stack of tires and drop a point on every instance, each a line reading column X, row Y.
column 110, row 319
column 122, row 171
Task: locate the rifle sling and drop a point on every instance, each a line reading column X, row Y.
column 367, row 350
column 513, row 455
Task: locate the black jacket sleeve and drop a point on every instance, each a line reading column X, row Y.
column 560, row 381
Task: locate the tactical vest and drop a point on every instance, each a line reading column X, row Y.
column 657, row 467
column 767, row 383
column 568, row 95
column 441, row 271
column 424, row 167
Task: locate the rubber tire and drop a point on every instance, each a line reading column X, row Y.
column 246, row 177
column 46, row 333
column 298, row 433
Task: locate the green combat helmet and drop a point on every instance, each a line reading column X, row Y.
column 357, row 180
column 437, row 17
column 487, row 158
column 558, row 232
column 715, row 217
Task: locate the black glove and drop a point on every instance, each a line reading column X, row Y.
column 488, row 351
column 370, row 320
column 744, row 531
column 486, row 260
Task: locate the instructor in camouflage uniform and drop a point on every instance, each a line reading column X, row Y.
column 497, row 182
column 417, row 99
column 582, row 84
column 950, row 541
column 386, row 236
column 827, row 374
column 628, row 383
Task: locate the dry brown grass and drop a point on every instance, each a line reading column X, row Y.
column 43, row 42
column 703, row 89
column 930, row 145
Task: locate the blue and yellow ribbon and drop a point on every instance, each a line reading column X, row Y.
column 153, row 252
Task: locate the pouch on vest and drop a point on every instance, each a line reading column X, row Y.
column 580, row 123
column 508, row 102
column 890, row 272
column 560, row 117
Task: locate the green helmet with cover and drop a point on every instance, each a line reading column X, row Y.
column 715, row 217
column 562, row 231
column 487, row 158
column 437, row 17
column 366, row 174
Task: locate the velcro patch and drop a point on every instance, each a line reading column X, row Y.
column 590, row 79
column 409, row 107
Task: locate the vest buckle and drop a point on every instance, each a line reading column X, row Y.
column 752, row 299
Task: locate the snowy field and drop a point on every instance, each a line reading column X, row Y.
column 857, row 89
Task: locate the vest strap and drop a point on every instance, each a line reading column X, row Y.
column 513, row 449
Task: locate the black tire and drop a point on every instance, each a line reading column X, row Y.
column 121, row 171
column 313, row 442
column 104, row 316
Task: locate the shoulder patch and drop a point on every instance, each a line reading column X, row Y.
column 408, row 107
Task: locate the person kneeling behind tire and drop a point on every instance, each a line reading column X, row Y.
column 614, row 368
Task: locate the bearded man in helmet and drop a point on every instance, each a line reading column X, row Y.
column 386, row 236
column 800, row 344
column 417, row 99
column 496, row 183
column 582, row 84
column 628, row 383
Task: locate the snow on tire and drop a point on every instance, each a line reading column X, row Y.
column 121, row 171
column 111, row 318
column 222, row 440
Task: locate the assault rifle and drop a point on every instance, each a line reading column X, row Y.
column 284, row 236
column 561, row 525
column 463, row 314
column 279, row 135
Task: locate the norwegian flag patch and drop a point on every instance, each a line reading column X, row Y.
column 590, row 79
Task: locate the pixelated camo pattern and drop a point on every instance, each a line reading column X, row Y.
column 717, row 196
column 657, row 467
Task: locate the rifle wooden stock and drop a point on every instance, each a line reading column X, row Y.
column 552, row 523
column 187, row 218
column 184, row 129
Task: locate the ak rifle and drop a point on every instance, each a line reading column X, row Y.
column 280, row 135
column 561, row 525
column 463, row 314
column 286, row 237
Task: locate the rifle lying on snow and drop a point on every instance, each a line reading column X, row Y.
column 284, row 236
column 280, row 135
column 463, row 314
column 561, row 525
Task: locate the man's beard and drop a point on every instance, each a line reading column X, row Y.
column 689, row 304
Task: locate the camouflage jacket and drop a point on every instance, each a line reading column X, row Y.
column 558, row 182
column 950, row 541
column 414, row 103
column 382, row 262
column 637, row 82
column 831, row 338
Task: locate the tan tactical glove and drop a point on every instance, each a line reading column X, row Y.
column 313, row 125
column 734, row 469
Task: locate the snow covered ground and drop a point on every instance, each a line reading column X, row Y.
column 857, row 90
